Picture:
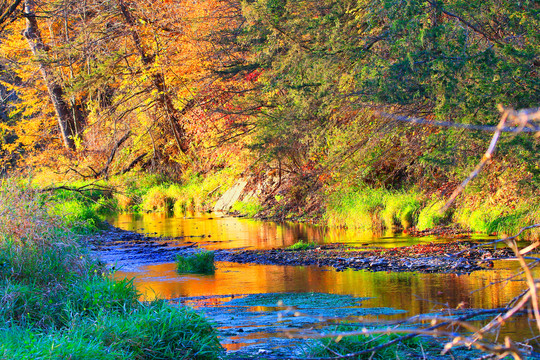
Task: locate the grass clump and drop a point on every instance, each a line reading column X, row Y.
column 356, row 208
column 249, row 207
column 151, row 331
column 193, row 192
column 201, row 263
column 83, row 216
column 157, row 200
column 373, row 209
column 502, row 219
column 401, row 209
column 430, row 216
column 301, row 245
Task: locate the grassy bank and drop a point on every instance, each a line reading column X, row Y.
column 136, row 192
column 502, row 212
column 378, row 209
column 56, row 301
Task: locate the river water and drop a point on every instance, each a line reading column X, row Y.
column 414, row 293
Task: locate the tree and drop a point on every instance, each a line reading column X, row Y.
column 7, row 10
column 69, row 119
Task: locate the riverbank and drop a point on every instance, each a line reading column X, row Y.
column 132, row 249
column 58, row 301
column 288, row 197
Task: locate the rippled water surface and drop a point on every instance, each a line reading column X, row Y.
column 415, row 293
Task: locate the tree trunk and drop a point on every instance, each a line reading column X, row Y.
column 164, row 99
column 64, row 114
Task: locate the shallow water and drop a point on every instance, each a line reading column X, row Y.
column 415, row 293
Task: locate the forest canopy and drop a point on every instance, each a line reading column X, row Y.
column 95, row 89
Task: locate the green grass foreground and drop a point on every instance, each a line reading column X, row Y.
column 57, row 302
column 330, row 347
column 201, row 263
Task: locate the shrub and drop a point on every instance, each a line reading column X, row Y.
column 201, row 263
column 82, row 217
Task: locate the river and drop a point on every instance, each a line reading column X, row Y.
column 408, row 293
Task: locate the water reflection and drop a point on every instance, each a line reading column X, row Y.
column 215, row 231
column 418, row 293
column 414, row 292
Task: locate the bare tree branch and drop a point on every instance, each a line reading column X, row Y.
column 519, row 121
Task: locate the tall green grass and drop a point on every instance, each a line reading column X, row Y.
column 151, row 331
column 368, row 208
column 365, row 208
column 401, row 209
column 430, row 215
column 57, row 302
column 356, row 208
column 500, row 219
column 192, row 193
column 406, row 349
column 249, row 207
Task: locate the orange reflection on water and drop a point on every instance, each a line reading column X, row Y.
column 213, row 231
column 417, row 293
column 220, row 232
column 414, row 292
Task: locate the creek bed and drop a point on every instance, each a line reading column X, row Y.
column 259, row 326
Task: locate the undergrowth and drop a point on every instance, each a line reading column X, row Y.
column 57, row 302
column 366, row 208
column 193, row 193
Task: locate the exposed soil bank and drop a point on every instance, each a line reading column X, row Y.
column 128, row 249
